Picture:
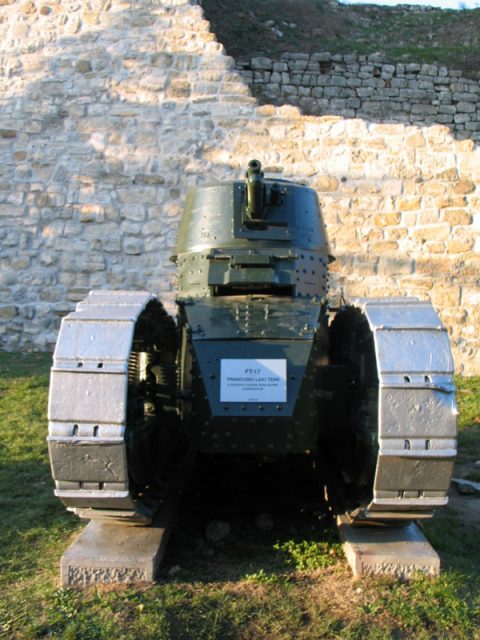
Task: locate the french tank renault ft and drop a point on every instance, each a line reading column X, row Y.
column 257, row 362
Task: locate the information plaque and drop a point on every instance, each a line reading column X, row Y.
column 252, row 380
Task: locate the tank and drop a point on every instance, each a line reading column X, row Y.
column 260, row 362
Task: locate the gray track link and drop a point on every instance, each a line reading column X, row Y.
column 87, row 408
column 416, row 408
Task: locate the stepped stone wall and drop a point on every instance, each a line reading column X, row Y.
column 354, row 86
column 110, row 110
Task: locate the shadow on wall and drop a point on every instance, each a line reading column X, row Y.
column 360, row 86
column 97, row 142
column 103, row 129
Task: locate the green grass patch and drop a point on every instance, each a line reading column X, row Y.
column 440, row 608
column 308, row 555
column 290, row 582
column 468, row 400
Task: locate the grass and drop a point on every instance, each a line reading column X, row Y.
column 273, row 27
column 290, row 581
column 468, row 400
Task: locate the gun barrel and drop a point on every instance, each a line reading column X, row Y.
column 255, row 190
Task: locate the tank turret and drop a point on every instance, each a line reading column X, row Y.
column 256, row 235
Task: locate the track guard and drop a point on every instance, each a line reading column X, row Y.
column 93, row 402
column 403, row 402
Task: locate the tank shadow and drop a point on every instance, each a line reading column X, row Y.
column 239, row 516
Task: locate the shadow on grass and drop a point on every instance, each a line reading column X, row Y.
column 19, row 365
column 34, row 524
column 263, row 505
column 455, row 535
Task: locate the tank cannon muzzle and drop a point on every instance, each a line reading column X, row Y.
column 255, row 191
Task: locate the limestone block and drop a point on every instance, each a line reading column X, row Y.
column 134, row 212
column 110, row 553
column 464, row 96
column 438, row 265
column 387, row 219
column 428, row 216
column 9, row 210
column 464, row 186
column 365, row 265
column 84, row 262
column 324, row 56
column 91, row 213
column 133, row 246
column 384, row 246
column 262, row 63
column 466, row 107
column 395, row 233
column 8, row 312
column 326, row 183
column 460, row 245
column 180, row 89
column 423, row 109
column 430, row 232
column 289, row 90
column 445, row 295
column 395, row 551
column 457, row 217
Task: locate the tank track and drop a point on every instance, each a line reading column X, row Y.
column 404, row 412
column 95, row 406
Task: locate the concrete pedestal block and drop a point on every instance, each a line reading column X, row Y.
column 397, row 551
column 114, row 553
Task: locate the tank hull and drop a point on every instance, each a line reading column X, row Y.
column 253, row 374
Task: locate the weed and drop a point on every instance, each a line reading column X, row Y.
column 261, row 577
column 309, row 555
column 440, row 606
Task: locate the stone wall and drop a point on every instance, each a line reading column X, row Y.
column 354, row 86
column 109, row 110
